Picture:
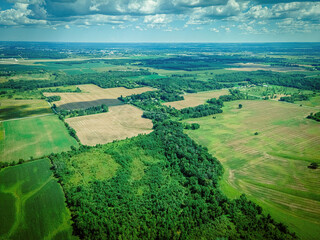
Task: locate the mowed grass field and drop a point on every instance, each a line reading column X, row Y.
column 117, row 124
column 32, row 203
column 10, row 108
column 195, row 99
column 34, row 137
column 271, row 167
column 93, row 95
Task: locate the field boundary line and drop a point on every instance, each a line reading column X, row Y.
column 14, row 119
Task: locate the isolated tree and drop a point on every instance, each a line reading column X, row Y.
column 240, row 106
column 313, row 165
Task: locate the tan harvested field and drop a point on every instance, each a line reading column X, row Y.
column 93, row 95
column 11, row 108
column 117, row 124
column 195, row 99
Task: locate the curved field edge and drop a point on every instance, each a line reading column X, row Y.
column 36, row 207
column 270, row 167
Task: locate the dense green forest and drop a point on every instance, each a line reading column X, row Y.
column 175, row 196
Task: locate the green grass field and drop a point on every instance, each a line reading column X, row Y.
column 313, row 102
column 273, row 91
column 33, row 137
column 271, row 167
column 32, row 203
column 71, row 69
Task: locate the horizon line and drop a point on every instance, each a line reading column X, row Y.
column 156, row 42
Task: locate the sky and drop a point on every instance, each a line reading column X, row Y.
column 160, row 20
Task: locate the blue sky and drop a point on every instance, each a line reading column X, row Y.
column 160, row 20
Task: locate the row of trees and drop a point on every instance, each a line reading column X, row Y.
column 296, row 80
column 53, row 98
column 153, row 96
column 192, row 126
column 315, row 116
column 56, row 90
column 81, row 112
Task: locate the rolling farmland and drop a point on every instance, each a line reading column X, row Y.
column 78, row 160
column 195, row 99
column 93, row 95
column 119, row 123
column 33, row 137
column 270, row 167
column 32, row 203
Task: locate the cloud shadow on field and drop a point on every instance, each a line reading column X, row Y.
column 21, row 111
column 87, row 104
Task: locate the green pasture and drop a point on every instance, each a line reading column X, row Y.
column 313, row 102
column 19, row 95
column 41, row 75
column 70, row 88
column 33, row 137
column 32, row 203
column 71, row 68
column 273, row 91
column 199, row 74
column 272, row 166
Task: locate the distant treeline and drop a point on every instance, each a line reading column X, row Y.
column 196, row 62
column 19, row 53
column 296, row 80
column 183, row 84
column 105, row 80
